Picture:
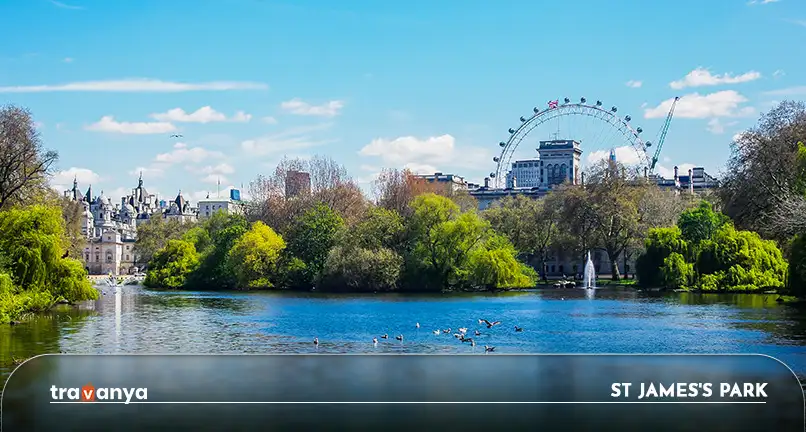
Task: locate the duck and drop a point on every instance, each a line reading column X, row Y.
column 417, row 325
column 386, row 336
column 462, row 330
column 489, row 348
column 477, row 333
column 316, row 341
column 375, row 341
column 490, row 324
column 399, row 337
column 446, row 331
column 518, row 329
column 437, row 332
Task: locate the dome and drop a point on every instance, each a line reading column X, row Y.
column 127, row 209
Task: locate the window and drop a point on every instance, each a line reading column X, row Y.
column 127, row 247
column 87, row 256
column 552, row 268
column 127, row 257
column 109, row 257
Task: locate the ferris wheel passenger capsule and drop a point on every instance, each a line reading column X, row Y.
column 648, row 144
column 523, row 119
column 536, row 110
column 496, row 159
column 511, row 130
column 598, row 103
column 492, row 175
column 614, row 109
column 566, row 100
column 502, row 144
column 582, row 100
column 628, row 118
column 639, row 130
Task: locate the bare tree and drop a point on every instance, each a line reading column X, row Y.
column 394, row 190
column 763, row 172
column 329, row 184
column 24, row 164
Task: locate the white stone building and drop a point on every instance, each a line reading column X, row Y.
column 111, row 229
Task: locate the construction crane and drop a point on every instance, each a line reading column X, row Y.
column 662, row 136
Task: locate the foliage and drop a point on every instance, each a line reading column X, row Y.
column 700, row 223
column 362, row 269
column 660, row 244
column 531, row 225
column 154, row 234
column 676, row 272
column 216, row 270
column 172, row 265
column 311, row 238
column 494, row 266
column 377, row 228
column 34, row 270
column 254, row 256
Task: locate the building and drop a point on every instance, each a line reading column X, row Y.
column 446, row 184
column 297, row 183
column 696, row 181
column 525, row 173
column 560, row 161
column 230, row 205
column 111, row 229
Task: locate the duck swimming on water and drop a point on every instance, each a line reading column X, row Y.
column 399, row 337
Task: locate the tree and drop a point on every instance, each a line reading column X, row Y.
column 659, row 245
column 172, row 265
column 577, row 219
column 700, row 223
column 32, row 246
column 362, row 269
column 376, row 228
column 154, row 234
column 494, row 265
column 797, row 266
column 765, row 176
column 216, row 268
column 255, row 256
column 676, row 272
column 24, row 164
column 311, row 237
column 531, row 225
column 330, row 184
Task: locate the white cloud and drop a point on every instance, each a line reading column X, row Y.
column 755, row 2
column 155, row 170
column 778, row 73
column 299, row 107
column 222, row 168
column 269, row 120
column 135, row 85
column 109, row 124
column 634, row 84
column 84, row 177
column 425, row 155
column 65, row 5
column 291, row 139
column 715, row 126
column 184, row 154
column 214, row 179
column 790, row 91
column 702, row 77
column 68, row 60
column 625, row 155
column 725, row 103
column 204, row 114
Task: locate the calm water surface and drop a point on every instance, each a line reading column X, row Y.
column 131, row 319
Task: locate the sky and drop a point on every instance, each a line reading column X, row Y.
column 432, row 86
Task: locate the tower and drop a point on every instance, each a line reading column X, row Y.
column 612, row 155
column 561, row 161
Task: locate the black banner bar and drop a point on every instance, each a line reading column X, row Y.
column 398, row 392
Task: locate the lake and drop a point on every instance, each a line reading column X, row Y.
column 132, row 319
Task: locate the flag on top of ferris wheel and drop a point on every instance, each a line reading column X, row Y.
column 554, row 103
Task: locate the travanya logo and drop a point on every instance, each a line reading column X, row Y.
column 89, row 393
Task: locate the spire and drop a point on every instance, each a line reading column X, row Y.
column 140, row 180
column 612, row 155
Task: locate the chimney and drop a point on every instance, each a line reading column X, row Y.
column 690, row 182
column 646, row 172
column 486, row 182
column 675, row 173
column 583, row 179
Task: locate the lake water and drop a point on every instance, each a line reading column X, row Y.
column 132, row 319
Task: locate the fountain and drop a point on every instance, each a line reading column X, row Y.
column 589, row 277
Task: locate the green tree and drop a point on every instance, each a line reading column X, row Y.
column 255, row 255
column 494, row 265
column 676, row 272
column 216, row 270
column 310, row 239
column 531, row 225
column 154, row 234
column 700, row 223
column 172, row 265
column 377, row 228
column 362, row 269
column 659, row 245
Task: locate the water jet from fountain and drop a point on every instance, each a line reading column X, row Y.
column 589, row 276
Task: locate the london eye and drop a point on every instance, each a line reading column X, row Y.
column 597, row 128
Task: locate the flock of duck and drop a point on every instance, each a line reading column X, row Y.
column 461, row 334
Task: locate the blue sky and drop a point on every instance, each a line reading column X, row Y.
column 423, row 84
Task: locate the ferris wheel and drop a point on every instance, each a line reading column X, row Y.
column 594, row 126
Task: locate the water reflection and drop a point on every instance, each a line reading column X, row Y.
column 130, row 319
